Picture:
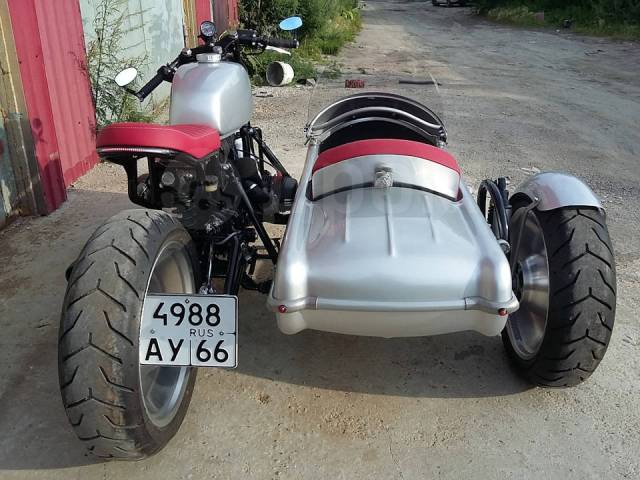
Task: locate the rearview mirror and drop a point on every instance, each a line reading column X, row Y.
column 291, row 23
column 126, row 76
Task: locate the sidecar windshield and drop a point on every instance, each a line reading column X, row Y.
column 349, row 106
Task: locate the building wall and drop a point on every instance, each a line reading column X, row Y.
column 50, row 47
column 19, row 179
column 8, row 187
column 48, row 113
column 8, row 194
column 153, row 28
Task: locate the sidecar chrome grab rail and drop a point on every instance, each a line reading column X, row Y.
column 353, row 113
column 343, row 104
column 427, row 135
column 471, row 303
column 353, row 104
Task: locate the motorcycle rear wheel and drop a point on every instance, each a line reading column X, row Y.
column 565, row 280
column 119, row 408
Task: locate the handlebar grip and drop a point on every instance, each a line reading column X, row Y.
column 150, row 86
column 282, row 43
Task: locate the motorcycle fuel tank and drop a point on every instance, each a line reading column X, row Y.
column 213, row 93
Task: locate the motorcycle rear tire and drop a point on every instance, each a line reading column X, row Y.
column 580, row 296
column 108, row 396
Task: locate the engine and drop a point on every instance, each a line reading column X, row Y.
column 207, row 193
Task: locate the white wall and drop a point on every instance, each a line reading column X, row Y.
column 155, row 28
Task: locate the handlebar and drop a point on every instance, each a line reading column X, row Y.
column 151, row 85
column 281, row 42
column 242, row 37
column 251, row 39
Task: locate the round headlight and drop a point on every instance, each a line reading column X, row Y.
column 207, row 29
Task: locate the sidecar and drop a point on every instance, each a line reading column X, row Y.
column 385, row 239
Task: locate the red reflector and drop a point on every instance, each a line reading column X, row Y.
column 503, row 312
column 282, row 308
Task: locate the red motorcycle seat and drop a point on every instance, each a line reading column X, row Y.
column 195, row 140
column 363, row 148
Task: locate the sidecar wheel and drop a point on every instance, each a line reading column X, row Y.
column 119, row 408
column 566, row 283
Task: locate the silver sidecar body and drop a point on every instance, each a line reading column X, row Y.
column 384, row 237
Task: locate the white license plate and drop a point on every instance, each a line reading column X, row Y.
column 181, row 330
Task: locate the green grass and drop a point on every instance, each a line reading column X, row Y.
column 594, row 18
column 317, row 46
column 337, row 32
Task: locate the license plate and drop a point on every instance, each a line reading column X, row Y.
column 182, row 330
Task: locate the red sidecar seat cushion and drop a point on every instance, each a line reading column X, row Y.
column 195, row 140
column 411, row 164
column 363, row 148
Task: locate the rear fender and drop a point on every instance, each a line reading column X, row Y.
column 556, row 190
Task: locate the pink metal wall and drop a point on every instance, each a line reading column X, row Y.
column 203, row 12
column 224, row 13
column 50, row 45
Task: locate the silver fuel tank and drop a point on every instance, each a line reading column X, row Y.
column 213, row 93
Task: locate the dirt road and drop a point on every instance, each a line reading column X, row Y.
column 327, row 406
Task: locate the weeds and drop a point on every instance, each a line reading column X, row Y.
column 619, row 18
column 105, row 58
column 328, row 26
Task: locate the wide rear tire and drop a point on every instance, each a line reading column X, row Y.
column 566, row 281
column 118, row 408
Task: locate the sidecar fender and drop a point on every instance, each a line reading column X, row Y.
column 556, row 190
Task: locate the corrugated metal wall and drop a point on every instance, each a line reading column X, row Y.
column 50, row 45
column 8, row 188
column 224, row 13
column 22, row 192
column 71, row 102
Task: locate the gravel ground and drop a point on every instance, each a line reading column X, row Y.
column 317, row 405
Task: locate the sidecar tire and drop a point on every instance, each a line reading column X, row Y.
column 581, row 299
column 106, row 393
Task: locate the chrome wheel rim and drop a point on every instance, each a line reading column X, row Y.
column 527, row 326
column 163, row 388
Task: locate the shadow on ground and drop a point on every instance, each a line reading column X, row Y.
column 34, row 254
column 449, row 366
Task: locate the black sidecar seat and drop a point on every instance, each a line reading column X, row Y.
column 405, row 163
column 197, row 141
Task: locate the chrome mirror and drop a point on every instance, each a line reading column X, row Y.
column 126, row 76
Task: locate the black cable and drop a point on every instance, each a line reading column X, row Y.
column 499, row 206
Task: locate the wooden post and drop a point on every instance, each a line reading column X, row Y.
column 191, row 27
